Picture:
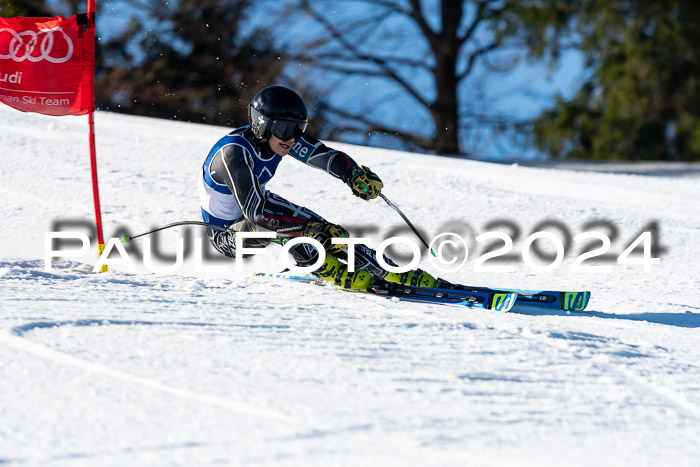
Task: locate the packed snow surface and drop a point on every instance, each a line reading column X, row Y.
column 202, row 367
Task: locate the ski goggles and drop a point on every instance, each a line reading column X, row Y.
column 287, row 129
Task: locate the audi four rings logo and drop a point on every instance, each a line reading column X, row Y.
column 24, row 44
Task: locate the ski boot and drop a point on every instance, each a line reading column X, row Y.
column 415, row 278
column 334, row 270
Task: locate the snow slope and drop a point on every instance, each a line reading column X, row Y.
column 202, row 368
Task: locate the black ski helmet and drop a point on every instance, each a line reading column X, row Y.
column 279, row 111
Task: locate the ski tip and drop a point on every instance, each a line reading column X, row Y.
column 503, row 301
column 575, row 301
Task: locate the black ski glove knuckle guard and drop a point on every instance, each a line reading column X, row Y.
column 364, row 183
column 324, row 232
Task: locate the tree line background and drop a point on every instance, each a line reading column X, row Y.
column 411, row 74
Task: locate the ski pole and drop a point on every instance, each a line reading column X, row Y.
column 129, row 238
column 407, row 222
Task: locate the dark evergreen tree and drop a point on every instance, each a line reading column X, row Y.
column 641, row 96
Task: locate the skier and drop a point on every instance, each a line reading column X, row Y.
column 233, row 195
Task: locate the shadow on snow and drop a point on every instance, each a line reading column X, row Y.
column 688, row 319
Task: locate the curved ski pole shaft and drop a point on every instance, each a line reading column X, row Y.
column 407, row 222
column 128, row 238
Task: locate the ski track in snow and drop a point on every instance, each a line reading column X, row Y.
column 203, row 369
column 13, row 338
